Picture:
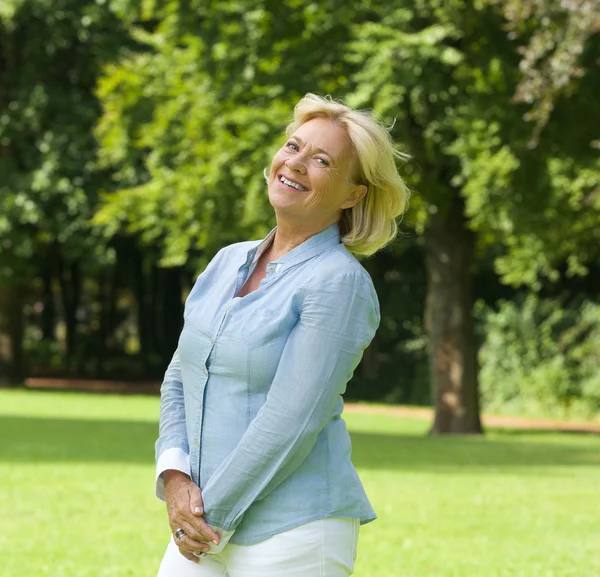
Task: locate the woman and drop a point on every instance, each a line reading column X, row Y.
column 253, row 458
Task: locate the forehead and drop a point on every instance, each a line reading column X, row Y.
column 327, row 135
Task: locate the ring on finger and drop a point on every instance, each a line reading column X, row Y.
column 179, row 534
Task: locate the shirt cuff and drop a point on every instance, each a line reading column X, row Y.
column 224, row 537
column 174, row 458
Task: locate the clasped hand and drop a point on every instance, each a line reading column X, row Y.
column 185, row 509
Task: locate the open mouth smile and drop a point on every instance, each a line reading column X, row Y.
column 291, row 184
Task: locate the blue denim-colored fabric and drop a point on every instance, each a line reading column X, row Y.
column 253, row 393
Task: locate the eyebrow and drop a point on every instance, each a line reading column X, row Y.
column 316, row 149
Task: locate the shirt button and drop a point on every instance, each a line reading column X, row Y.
column 271, row 268
column 200, row 407
column 211, row 340
column 196, row 442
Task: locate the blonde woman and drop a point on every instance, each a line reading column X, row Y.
column 253, row 457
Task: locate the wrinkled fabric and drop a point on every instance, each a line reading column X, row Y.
column 251, row 401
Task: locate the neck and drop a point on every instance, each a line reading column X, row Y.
column 291, row 234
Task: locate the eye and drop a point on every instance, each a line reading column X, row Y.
column 322, row 161
column 292, row 145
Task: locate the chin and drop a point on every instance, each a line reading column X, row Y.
column 281, row 202
column 280, row 196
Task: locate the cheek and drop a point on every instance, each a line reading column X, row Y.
column 277, row 161
column 324, row 182
column 328, row 190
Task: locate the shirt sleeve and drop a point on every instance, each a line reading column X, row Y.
column 173, row 459
column 337, row 322
column 171, row 447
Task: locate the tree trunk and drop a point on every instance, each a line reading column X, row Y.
column 143, row 302
column 70, row 290
column 102, row 297
column 449, row 246
column 49, row 311
column 11, row 295
column 171, row 309
column 12, row 360
column 154, row 324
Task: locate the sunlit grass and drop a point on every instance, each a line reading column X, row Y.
column 77, row 499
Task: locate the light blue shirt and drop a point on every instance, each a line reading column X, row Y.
column 251, row 402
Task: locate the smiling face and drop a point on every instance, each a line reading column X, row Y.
column 310, row 177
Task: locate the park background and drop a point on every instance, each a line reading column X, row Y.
column 133, row 137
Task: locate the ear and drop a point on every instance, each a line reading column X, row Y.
column 358, row 193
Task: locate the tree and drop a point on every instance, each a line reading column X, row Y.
column 546, row 212
column 227, row 97
column 557, row 34
column 50, row 55
column 426, row 67
column 189, row 123
column 483, row 184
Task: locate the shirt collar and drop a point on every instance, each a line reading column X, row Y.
column 264, row 245
column 313, row 246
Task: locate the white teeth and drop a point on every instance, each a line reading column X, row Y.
column 290, row 183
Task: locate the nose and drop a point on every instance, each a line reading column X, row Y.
column 296, row 163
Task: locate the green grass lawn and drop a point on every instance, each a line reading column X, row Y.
column 77, row 495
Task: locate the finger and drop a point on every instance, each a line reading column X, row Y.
column 196, row 503
column 190, row 546
column 182, row 511
column 204, row 530
column 196, row 527
column 193, row 536
column 189, row 556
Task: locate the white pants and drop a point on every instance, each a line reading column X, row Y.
column 323, row 548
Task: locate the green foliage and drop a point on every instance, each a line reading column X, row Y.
column 144, row 120
column 540, row 357
column 193, row 114
column 49, row 184
column 394, row 368
column 552, row 52
column 188, row 167
column 191, row 121
column 449, row 88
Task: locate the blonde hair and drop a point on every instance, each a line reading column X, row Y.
column 372, row 223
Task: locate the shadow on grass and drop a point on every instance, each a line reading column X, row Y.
column 29, row 439
column 459, row 453
column 26, row 439
column 564, row 432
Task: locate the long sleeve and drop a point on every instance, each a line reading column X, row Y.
column 337, row 321
column 171, row 448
